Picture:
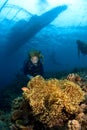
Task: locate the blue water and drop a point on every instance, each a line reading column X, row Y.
column 56, row 39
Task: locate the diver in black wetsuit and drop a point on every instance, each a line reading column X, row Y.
column 34, row 66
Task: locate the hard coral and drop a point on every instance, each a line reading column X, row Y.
column 74, row 125
column 82, row 118
column 53, row 101
column 74, row 77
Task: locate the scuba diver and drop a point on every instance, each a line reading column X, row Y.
column 82, row 47
column 34, row 66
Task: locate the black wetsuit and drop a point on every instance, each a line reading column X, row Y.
column 33, row 70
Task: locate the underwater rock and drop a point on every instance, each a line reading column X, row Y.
column 3, row 125
column 20, row 125
column 4, row 120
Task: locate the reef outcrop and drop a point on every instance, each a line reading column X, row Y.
column 53, row 102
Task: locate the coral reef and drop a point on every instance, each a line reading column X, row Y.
column 74, row 125
column 4, row 120
column 81, row 117
column 74, row 77
column 20, row 115
column 53, row 101
column 45, row 103
column 80, row 121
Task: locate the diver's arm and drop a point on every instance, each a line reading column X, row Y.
column 26, row 70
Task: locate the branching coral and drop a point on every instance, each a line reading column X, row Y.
column 53, row 100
